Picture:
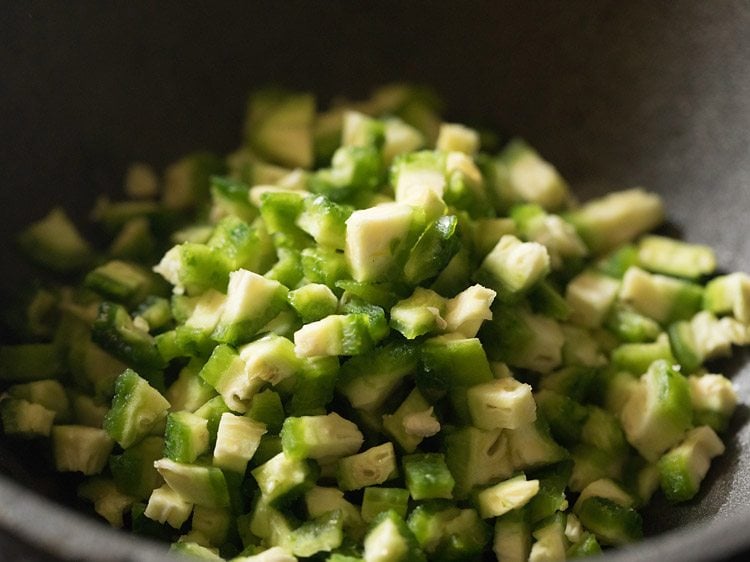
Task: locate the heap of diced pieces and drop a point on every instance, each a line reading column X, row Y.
column 364, row 337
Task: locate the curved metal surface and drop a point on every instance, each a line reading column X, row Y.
column 615, row 94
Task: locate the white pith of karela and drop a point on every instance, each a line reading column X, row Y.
column 364, row 337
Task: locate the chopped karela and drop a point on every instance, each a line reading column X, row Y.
column 370, row 337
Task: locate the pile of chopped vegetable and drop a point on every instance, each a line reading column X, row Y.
column 369, row 335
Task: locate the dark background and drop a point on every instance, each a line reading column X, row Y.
column 616, row 94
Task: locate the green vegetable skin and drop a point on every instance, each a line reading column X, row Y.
column 367, row 339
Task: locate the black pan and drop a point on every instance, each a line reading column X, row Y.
column 616, row 94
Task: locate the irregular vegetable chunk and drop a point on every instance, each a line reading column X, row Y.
column 136, row 409
column 513, row 266
column 682, row 469
column 505, row 496
column 373, row 237
column 659, row 411
column 502, row 403
column 617, row 218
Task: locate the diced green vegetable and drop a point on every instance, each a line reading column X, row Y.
column 187, row 546
column 422, row 313
column 433, row 250
column 145, row 527
column 658, row 412
column 412, row 422
column 565, row 416
column 590, row 296
column 591, row 464
column 189, row 392
column 449, row 363
column 512, row 537
column 122, row 282
column 575, row 382
column 714, row 337
column 187, row 182
column 531, row 445
column 108, row 501
column 454, row 136
column 322, row 534
column 637, row 357
column 630, row 326
column 338, row 334
column 419, row 178
column 714, row 400
column 368, row 380
column 156, row 311
column 115, row 331
column 607, row 489
column 321, row 500
column 531, row 178
column 523, row 339
column 587, row 546
column 512, row 267
column 582, row 347
column 466, row 312
column 185, row 437
column 48, row 393
column 427, row 476
column 212, row 523
column 551, row 496
column 252, row 300
column 390, row 540
column 610, row 522
column 194, row 268
column 284, row 478
column 237, row 376
column 682, row 469
column 501, row 403
column 617, row 218
column 729, row 294
column 476, row 457
column 673, row 257
column 226, row 372
column 313, row 301
column 550, row 541
column 446, row 532
column 136, row 409
column 167, row 506
column 78, row 448
column 22, row 418
column 560, row 238
column 618, row 261
column 378, row 499
column 368, row 468
column 546, row 300
column 266, row 408
column 320, row 437
column 230, row 197
column 55, row 242
column 506, row 496
column 325, row 221
column 373, row 240
column 664, row 299
column 603, row 431
column 88, row 410
column 355, row 171
column 369, row 338
column 279, row 127
column 196, row 484
column 133, row 471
